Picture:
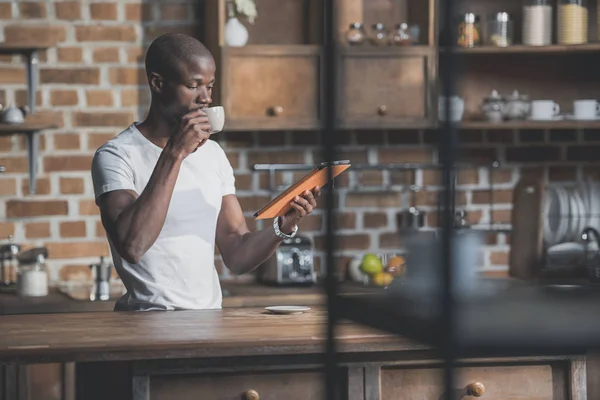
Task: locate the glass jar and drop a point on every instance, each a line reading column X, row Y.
column 572, row 22
column 500, row 30
column 356, row 35
column 379, row 36
column 469, row 31
column 537, row 22
column 32, row 279
column 401, row 36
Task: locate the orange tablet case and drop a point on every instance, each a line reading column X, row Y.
column 317, row 177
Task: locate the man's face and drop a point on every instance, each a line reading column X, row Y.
column 189, row 89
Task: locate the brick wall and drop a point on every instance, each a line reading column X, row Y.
column 93, row 86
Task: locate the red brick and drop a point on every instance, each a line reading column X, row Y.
column 5, row 143
column 100, row 232
column 12, row 75
column 95, row 140
column 37, row 208
column 138, row 12
column 407, row 177
column 117, row 119
column 88, row 207
column 99, row 98
column 251, row 204
column 562, row 174
column 72, row 229
column 417, row 155
column 468, row 177
column 135, row 97
column 484, row 197
column 501, row 216
column 8, row 186
column 69, row 54
column 34, row 35
column 69, row 10
column 135, row 55
column 128, row 76
column 533, row 154
column 106, row 54
column 67, row 163
column 583, row 153
column 345, row 220
column 243, row 182
column 500, row 136
column 478, row 155
column 374, row 220
column 153, row 31
column 42, row 186
column 276, row 157
column 37, row 230
column 14, row 164
column 390, row 241
column 501, row 175
column 355, row 156
column 311, row 223
column 50, row 117
column 72, row 185
column 66, row 141
column 103, row 11
column 71, row 76
column 63, row 97
column 71, row 273
column 7, row 229
column 91, row 33
column 499, row 258
column 367, row 178
column 346, row 242
column 5, row 11
column 22, row 141
column 61, row 250
column 473, row 218
column 32, row 10
column 374, row 199
column 175, row 12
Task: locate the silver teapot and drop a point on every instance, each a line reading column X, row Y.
column 493, row 107
column 13, row 115
column 517, row 106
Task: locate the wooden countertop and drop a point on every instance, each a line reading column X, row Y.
column 236, row 294
column 232, row 332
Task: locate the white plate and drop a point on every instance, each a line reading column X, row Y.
column 287, row 309
column 555, row 118
column 573, row 118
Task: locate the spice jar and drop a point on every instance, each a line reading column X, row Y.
column 572, row 22
column 500, row 30
column 32, row 279
column 401, row 36
column 379, row 36
column 356, row 35
column 9, row 262
column 537, row 22
column 469, row 31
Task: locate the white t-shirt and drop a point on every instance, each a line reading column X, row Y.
column 178, row 271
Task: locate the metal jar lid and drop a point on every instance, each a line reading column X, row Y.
column 470, row 18
column 379, row 26
column 356, row 25
column 502, row 17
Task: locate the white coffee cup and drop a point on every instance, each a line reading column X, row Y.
column 544, row 109
column 216, row 118
column 586, row 109
column 457, row 108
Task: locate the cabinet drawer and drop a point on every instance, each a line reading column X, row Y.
column 292, row 385
column 272, row 88
column 530, row 382
column 385, row 89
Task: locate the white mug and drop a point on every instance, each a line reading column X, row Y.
column 586, row 109
column 457, row 108
column 216, row 118
column 544, row 109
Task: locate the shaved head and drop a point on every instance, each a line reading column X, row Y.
column 170, row 52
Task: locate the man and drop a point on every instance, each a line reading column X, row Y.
column 166, row 192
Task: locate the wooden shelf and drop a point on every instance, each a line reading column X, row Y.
column 10, row 129
column 521, row 49
column 520, row 125
column 273, row 50
column 367, row 50
column 12, row 49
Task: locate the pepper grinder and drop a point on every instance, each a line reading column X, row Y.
column 101, row 281
column 9, row 263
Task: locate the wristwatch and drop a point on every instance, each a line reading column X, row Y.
column 280, row 234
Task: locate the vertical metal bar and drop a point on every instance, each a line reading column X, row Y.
column 447, row 154
column 33, row 144
column 328, row 140
column 32, row 79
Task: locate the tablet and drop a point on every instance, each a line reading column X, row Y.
column 280, row 205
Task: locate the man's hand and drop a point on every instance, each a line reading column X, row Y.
column 192, row 131
column 301, row 206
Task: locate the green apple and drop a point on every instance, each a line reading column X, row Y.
column 371, row 264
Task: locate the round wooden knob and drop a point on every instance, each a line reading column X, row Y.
column 276, row 111
column 251, row 395
column 475, row 389
column 382, row 110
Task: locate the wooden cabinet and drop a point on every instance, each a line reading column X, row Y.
column 271, row 87
column 385, row 88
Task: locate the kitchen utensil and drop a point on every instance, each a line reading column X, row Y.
column 292, row 263
column 287, row 309
column 500, row 30
column 413, row 217
column 9, row 262
column 544, row 110
column 14, row 115
column 572, row 22
column 32, row 278
column 457, row 108
column 379, row 35
column 401, row 35
column 469, row 31
column 100, row 280
column 537, row 22
column 517, row 106
column 494, row 107
column 356, row 34
column 216, row 118
column 586, row 109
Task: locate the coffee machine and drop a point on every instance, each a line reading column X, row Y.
column 292, row 264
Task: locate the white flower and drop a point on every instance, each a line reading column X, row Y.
column 246, row 8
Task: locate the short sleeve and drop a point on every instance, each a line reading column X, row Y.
column 111, row 170
column 226, row 173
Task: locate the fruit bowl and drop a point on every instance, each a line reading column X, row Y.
column 377, row 269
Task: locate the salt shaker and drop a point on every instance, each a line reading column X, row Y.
column 32, row 279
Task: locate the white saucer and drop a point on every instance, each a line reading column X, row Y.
column 287, row 309
column 573, row 118
column 555, row 118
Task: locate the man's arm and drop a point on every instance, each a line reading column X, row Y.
column 242, row 250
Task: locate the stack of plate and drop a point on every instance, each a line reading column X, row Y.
column 569, row 210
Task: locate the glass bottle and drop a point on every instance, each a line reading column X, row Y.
column 572, row 22
column 500, row 30
column 401, row 35
column 537, row 22
column 32, row 279
column 379, row 36
column 469, row 31
column 356, row 35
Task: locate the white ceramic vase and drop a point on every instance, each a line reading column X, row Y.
column 236, row 34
